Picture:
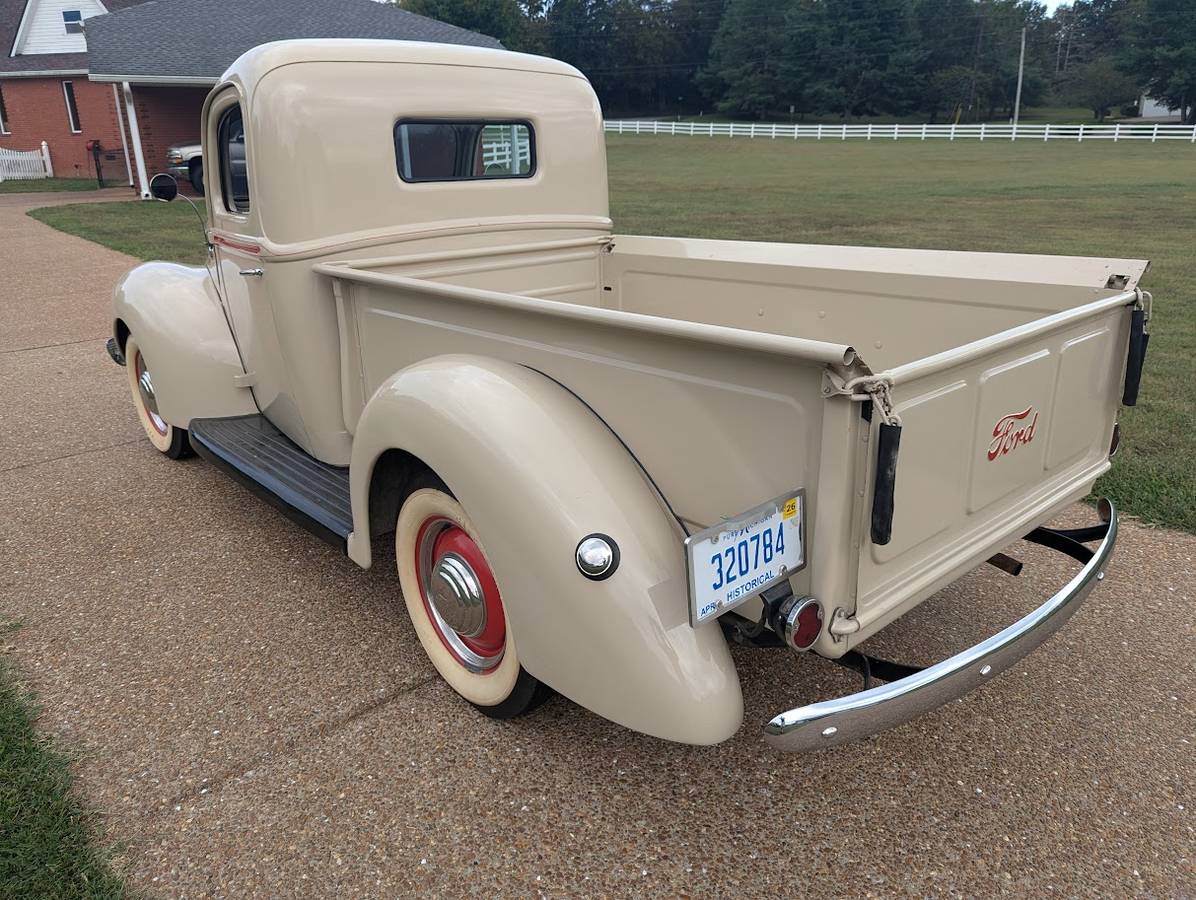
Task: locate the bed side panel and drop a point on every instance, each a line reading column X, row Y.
column 719, row 429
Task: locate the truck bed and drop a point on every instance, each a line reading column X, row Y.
column 895, row 306
column 711, row 359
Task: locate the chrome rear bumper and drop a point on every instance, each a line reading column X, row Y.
column 855, row 716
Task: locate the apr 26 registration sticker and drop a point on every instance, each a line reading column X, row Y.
column 740, row 557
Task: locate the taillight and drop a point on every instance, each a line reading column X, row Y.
column 801, row 623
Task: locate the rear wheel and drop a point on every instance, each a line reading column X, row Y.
column 164, row 436
column 456, row 606
column 196, row 176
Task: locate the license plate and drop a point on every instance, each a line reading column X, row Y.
column 737, row 559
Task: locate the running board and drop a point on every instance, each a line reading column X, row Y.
column 259, row 456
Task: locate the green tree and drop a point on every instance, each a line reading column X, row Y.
column 947, row 91
column 502, row 19
column 1000, row 24
column 693, row 24
column 1088, row 30
column 1163, row 53
column 869, row 56
column 627, row 48
column 747, row 73
column 1098, row 85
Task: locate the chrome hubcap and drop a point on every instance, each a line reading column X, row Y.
column 456, row 595
column 145, row 387
column 460, row 595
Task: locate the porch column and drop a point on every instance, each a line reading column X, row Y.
column 124, row 144
column 135, row 134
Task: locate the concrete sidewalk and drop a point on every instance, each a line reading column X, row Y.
column 256, row 717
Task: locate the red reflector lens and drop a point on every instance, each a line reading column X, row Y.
column 806, row 625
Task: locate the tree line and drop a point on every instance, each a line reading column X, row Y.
column 767, row 59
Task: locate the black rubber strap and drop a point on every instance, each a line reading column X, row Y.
column 887, row 444
column 1136, row 358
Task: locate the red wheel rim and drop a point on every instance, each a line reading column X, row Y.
column 460, row 595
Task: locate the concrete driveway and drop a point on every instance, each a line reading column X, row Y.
column 255, row 716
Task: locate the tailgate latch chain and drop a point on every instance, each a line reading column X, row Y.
column 882, row 398
column 875, row 389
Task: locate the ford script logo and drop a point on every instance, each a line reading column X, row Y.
column 1013, row 430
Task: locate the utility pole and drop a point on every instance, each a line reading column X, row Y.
column 976, row 57
column 1017, row 100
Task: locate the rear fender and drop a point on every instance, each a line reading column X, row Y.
column 174, row 313
column 537, row 471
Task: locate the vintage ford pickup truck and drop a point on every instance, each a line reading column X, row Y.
column 602, row 457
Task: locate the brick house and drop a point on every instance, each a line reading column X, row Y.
column 133, row 74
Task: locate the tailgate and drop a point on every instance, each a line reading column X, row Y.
column 997, row 436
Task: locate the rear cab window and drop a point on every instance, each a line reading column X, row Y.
column 464, row 150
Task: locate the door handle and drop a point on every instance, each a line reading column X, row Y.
column 252, row 273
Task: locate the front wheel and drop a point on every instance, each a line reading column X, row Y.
column 455, row 604
column 165, row 437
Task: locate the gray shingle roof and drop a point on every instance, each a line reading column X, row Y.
column 10, row 19
column 201, row 38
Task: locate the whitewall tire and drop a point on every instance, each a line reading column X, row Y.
column 165, row 437
column 456, row 606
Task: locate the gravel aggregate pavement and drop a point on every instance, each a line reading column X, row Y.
column 255, row 717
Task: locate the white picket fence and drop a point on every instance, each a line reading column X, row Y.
column 15, row 164
column 983, row 131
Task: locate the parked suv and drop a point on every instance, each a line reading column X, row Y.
column 186, row 161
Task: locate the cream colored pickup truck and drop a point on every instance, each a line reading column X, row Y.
column 599, row 457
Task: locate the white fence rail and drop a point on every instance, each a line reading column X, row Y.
column 983, row 131
column 498, row 141
column 15, row 164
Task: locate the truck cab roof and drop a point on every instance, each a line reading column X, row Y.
column 255, row 64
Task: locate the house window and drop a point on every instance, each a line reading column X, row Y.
column 72, row 111
column 464, row 151
column 72, row 20
column 3, row 114
column 234, row 174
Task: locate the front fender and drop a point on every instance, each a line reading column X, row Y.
column 174, row 313
column 537, row 471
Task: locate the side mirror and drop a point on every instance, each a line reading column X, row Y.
column 163, row 187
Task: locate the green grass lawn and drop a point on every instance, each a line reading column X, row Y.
column 1125, row 200
column 145, row 229
column 48, row 844
column 38, row 185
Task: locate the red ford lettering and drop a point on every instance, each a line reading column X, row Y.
column 1013, row 430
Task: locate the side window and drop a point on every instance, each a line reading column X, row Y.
column 234, row 177
column 72, row 21
column 464, row 151
column 72, row 110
